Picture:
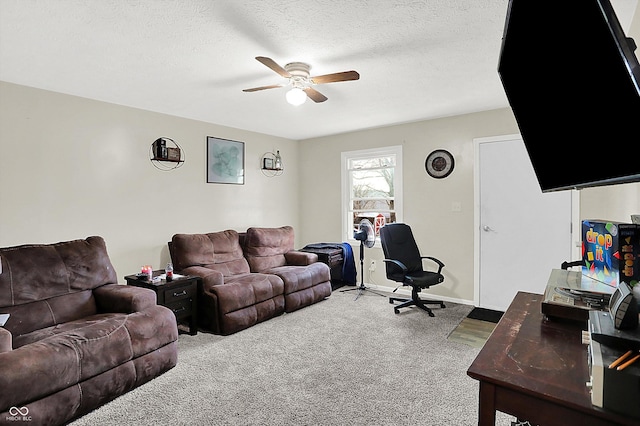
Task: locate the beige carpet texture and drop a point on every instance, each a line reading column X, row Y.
column 338, row 362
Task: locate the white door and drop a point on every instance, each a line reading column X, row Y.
column 521, row 233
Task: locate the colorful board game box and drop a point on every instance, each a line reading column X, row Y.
column 611, row 251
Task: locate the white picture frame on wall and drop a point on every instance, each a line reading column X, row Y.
column 225, row 161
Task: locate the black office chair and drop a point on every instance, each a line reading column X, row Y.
column 404, row 264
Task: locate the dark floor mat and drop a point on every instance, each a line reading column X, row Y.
column 485, row 314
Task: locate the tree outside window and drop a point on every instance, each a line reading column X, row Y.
column 372, row 184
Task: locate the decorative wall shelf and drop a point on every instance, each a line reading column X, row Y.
column 165, row 154
column 268, row 164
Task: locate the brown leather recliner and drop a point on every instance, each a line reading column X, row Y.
column 75, row 339
column 271, row 251
column 230, row 297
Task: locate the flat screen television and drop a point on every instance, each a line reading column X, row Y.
column 573, row 82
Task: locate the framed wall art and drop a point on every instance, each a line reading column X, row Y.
column 225, row 161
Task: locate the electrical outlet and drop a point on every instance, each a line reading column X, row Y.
column 372, row 266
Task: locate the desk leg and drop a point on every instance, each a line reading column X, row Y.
column 487, row 406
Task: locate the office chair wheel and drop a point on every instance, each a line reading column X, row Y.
column 442, row 305
column 396, row 310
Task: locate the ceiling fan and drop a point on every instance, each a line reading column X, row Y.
column 297, row 74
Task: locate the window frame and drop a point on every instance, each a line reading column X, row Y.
column 396, row 150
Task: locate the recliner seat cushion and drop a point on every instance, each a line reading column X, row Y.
column 298, row 278
column 244, row 290
column 65, row 354
column 62, row 406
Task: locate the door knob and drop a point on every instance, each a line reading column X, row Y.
column 487, row 228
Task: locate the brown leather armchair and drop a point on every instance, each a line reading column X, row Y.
column 75, row 339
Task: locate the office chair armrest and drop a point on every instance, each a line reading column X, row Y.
column 440, row 264
column 398, row 264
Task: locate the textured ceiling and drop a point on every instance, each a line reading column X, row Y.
column 192, row 58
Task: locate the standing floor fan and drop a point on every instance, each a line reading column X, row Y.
column 367, row 237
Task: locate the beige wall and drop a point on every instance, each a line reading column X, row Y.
column 614, row 203
column 428, row 202
column 440, row 231
column 72, row 167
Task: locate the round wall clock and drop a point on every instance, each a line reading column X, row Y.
column 439, row 164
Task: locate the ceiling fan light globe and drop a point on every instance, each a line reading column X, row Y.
column 296, row 96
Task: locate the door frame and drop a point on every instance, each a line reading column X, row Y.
column 575, row 212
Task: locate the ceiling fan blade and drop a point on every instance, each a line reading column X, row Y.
column 273, row 65
column 255, row 89
column 335, row 77
column 314, row 95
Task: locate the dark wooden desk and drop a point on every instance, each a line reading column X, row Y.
column 537, row 370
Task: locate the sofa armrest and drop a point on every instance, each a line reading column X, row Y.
column 300, row 258
column 6, row 340
column 123, row 298
column 210, row 277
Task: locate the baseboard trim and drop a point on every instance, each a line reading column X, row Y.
column 405, row 291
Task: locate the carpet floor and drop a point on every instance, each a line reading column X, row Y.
column 338, row 362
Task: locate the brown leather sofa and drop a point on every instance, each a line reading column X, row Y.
column 75, row 339
column 230, row 297
column 250, row 277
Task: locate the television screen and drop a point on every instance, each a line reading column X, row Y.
column 573, row 82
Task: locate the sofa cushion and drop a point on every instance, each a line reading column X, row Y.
column 241, row 301
column 265, row 248
column 6, row 340
column 304, row 285
column 32, row 316
column 220, row 251
column 43, row 285
column 66, row 354
column 41, row 271
column 298, row 278
column 69, row 403
column 245, row 290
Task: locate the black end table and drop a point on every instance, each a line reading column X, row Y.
column 179, row 295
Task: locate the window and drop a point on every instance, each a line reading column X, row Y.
column 371, row 188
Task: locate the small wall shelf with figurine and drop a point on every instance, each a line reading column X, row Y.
column 165, row 154
column 271, row 164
